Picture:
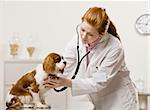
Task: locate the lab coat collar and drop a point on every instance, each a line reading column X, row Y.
column 92, row 45
column 104, row 38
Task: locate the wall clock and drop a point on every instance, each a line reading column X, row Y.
column 142, row 24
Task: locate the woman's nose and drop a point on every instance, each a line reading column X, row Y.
column 84, row 35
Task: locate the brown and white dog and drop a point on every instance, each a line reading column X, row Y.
column 29, row 88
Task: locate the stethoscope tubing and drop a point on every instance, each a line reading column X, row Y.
column 78, row 60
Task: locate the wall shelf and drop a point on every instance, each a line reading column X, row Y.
column 23, row 61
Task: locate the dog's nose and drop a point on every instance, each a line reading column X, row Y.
column 65, row 62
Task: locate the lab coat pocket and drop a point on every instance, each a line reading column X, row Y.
column 100, row 62
column 99, row 76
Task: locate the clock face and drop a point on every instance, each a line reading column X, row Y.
column 142, row 24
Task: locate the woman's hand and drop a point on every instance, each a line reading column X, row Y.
column 57, row 82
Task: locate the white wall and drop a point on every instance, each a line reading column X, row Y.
column 52, row 24
column 1, row 58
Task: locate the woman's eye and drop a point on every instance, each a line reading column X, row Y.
column 82, row 30
column 91, row 35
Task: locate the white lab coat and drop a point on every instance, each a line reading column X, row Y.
column 106, row 79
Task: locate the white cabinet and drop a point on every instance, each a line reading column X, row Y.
column 15, row 68
column 143, row 100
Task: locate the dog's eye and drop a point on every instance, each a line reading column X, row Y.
column 13, row 100
column 57, row 60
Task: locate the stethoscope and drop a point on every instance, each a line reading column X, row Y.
column 78, row 61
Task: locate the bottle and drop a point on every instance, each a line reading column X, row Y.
column 14, row 45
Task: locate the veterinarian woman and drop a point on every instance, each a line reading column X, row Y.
column 102, row 74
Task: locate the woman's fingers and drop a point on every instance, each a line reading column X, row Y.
column 51, row 83
column 54, row 83
column 48, row 86
column 46, row 79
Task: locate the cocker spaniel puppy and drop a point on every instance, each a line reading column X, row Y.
column 30, row 89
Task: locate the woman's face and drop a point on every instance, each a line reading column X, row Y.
column 88, row 33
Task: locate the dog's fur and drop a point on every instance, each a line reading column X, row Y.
column 29, row 88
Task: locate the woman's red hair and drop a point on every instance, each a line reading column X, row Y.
column 98, row 18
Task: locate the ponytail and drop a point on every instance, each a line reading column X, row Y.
column 112, row 30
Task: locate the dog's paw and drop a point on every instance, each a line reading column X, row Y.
column 42, row 106
column 28, row 106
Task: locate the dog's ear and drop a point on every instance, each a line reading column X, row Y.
column 49, row 64
column 30, row 76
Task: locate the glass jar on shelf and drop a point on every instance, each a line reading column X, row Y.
column 30, row 47
column 14, row 46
